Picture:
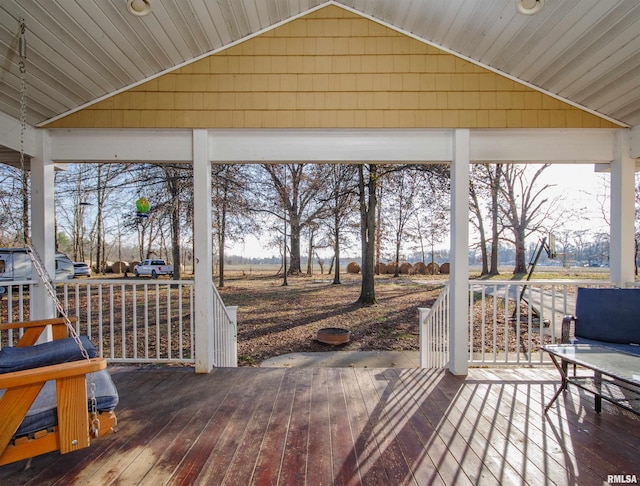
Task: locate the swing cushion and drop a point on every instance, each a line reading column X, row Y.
column 49, row 353
column 43, row 413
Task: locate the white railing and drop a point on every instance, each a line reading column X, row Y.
column 225, row 333
column 132, row 320
column 510, row 320
column 14, row 301
column 135, row 321
column 434, row 332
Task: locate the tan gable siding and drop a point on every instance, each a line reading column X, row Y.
column 331, row 69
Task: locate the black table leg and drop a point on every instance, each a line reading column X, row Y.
column 563, row 369
column 598, row 382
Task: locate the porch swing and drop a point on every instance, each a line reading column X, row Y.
column 56, row 395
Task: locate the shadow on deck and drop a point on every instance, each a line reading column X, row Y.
column 346, row 426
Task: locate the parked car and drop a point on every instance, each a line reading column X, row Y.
column 81, row 269
column 154, row 268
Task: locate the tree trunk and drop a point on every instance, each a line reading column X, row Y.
column 294, row 250
column 521, row 263
column 483, row 237
column 378, row 230
column 310, row 255
column 336, row 253
column 396, row 272
column 174, row 191
column 495, row 208
column 368, row 203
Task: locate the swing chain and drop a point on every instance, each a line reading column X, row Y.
column 94, row 426
column 23, row 89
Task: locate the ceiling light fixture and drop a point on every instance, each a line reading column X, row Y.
column 529, row 7
column 139, row 8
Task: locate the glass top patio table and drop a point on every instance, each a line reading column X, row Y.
column 617, row 364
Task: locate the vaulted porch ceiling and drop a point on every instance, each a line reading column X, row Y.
column 586, row 52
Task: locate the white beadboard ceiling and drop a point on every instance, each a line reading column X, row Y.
column 586, row 51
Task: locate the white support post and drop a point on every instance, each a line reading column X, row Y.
column 622, row 252
column 43, row 223
column 203, row 253
column 459, row 277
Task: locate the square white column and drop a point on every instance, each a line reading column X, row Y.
column 43, row 238
column 203, row 252
column 622, row 239
column 459, row 254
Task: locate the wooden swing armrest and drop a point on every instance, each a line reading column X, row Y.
column 33, row 329
column 51, row 372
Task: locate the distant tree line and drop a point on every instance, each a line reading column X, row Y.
column 384, row 212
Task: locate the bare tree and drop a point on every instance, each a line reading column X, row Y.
column 340, row 206
column 402, row 188
column 477, row 219
column 525, row 209
column 298, row 188
column 431, row 218
column 230, row 209
column 485, row 185
column 368, row 200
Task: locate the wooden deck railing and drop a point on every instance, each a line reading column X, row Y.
column 132, row 320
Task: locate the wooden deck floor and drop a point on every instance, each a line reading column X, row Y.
column 346, row 426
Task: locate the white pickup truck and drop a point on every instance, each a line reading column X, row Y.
column 153, row 268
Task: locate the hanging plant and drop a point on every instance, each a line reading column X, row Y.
column 143, row 206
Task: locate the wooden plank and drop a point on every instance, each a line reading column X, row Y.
column 170, row 447
column 73, row 420
column 242, row 467
column 480, row 466
column 418, row 438
column 293, row 469
column 319, row 466
column 421, row 384
column 375, row 392
column 15, row 403
column 239, row 431
column 198, row 455
column 371, row 468
column 584, row 453
column 497, row 418
column 269, row 456
column 401, row 407
column 343, row 455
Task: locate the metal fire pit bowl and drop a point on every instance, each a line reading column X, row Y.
column 333, row 335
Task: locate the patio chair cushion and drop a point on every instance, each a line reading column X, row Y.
column 608, row 315
column 49, row 353
column 43, row 413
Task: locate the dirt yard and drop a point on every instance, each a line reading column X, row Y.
column 275, row 320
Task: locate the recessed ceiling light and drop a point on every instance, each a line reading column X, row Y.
column 139, row 8
column 529, row 7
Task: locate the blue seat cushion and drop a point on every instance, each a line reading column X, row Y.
column 49, row 353
column 608, row 315
column 43, row 412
